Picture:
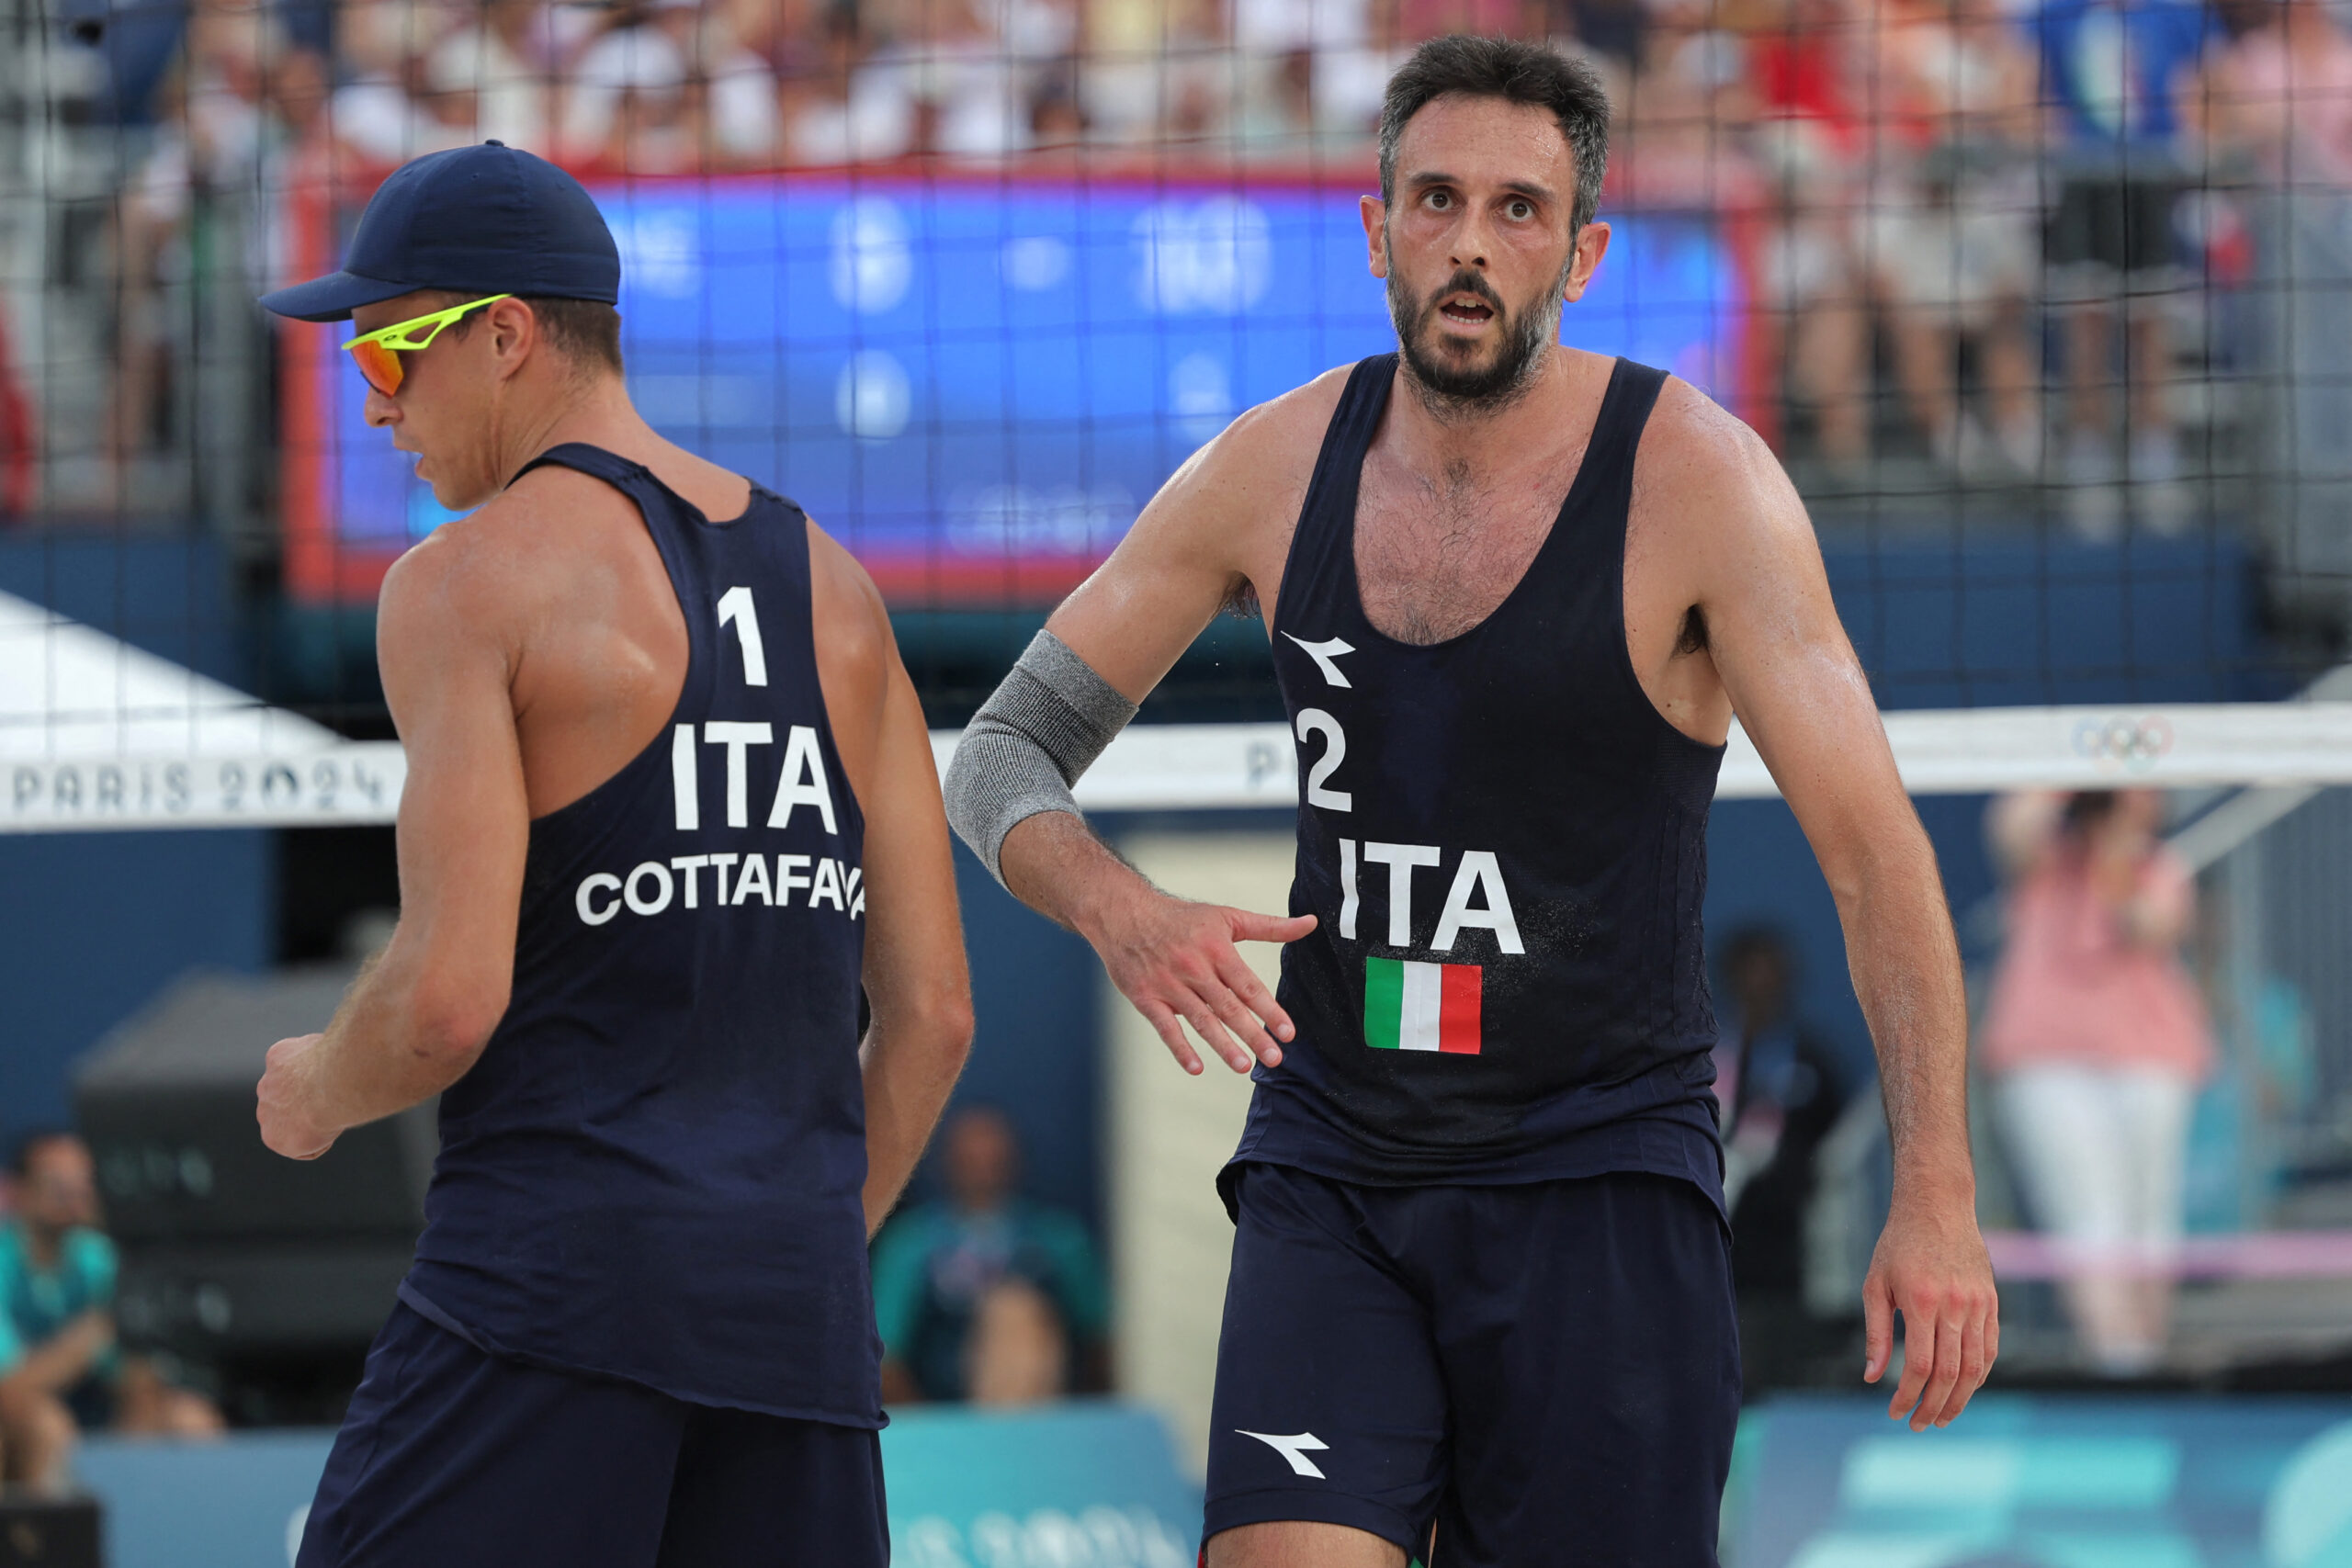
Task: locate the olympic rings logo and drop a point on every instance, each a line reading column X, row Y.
column 2134, row 745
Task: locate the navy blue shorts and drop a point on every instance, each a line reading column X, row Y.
column 455, row 1458
column 1548, row 1373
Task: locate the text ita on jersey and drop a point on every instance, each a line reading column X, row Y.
column 739, row 878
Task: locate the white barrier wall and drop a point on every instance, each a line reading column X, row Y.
column 1171, row 1241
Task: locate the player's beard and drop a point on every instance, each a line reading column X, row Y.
column 1454, row 390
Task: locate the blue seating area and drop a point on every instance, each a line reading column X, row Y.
column 1081, row 1485
column 1817, row 1483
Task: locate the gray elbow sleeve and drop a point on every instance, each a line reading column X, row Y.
column 1028, row 744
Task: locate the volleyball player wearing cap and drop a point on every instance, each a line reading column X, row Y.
column 670, row 803
column 1515, row 593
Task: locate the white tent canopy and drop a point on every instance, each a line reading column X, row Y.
column 97, row 734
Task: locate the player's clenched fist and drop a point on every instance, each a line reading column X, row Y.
column 287, row 1121
column 1174, row 959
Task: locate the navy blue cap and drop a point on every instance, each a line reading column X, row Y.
column 486, row 220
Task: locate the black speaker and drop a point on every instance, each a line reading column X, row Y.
column 166, row 1102
column 49, row 1532
column 227, row 1248
column 242, row 1300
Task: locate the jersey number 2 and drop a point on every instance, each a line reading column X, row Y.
column 1314, row 721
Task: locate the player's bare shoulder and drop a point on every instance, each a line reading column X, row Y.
column 471, row 580
column 856, row 651
column 1232, row 505
column 1260, row 464
column 556, row 575
column 525, row 545
column 1257, row 467
column 1706, row 489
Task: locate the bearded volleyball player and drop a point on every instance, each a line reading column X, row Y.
column 1516, row 592
column 669, row 801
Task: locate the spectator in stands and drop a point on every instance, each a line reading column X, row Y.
column 498, row 76
column 1781, row 1091
column 2097, row 1038
column 947, row 62
column 60, row 1370
column 838, row 112
column 1350, row 76
column 671, row 88
column 2115, row 73
column 731, row 88
column 2278, row 108
column 221, row 138
column 1041, row 38
column 380, row 111
column 1156, row 69
column 2282, row 94
column 625, row 104
column 1610, row 30
column 1805, row 70
column 1688, row 89
column 1953, row 251
column 785, row 35
column 983, row 1295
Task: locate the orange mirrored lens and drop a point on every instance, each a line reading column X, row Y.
column 381, row 365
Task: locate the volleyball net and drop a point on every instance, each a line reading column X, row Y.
column 2046, row 309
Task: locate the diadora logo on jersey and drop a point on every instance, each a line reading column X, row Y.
column 742, row 877
column 1294, row 1448
column 1325, row 656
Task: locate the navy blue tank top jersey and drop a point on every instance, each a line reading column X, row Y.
column 1504, row 845
column 655, row 1170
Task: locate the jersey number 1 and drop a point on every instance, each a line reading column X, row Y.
column 735, row 605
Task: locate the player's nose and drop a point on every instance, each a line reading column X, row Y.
column 379, row 410
column 1469, row 247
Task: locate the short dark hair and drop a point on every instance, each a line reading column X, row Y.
column 586, row 331
column 1517, row 73
column 2086, row 809
column 28, row 1145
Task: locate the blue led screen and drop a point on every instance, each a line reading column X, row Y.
column 976, row 387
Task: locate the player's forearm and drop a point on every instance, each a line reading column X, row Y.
column 398, row 1039
column 910, row 1069
column 1055, row 864
column 1905, row 968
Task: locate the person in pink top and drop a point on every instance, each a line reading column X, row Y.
column 2096, row 1039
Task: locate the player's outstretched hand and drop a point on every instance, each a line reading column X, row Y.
column 1177, row 960
column 1930, row 1265
column 283, row 1107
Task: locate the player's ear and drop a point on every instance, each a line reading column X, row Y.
column 1592, row 243
column 514, row 330
column 1375, row 232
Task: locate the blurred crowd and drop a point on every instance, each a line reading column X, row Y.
column 1945, row 206
column 2023, row 189
column 1908, row 102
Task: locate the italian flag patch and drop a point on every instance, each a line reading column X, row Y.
column 1421, row 1006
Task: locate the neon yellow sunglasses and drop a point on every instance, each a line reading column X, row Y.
column 378, row 354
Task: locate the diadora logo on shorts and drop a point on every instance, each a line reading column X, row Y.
column 1294, row 1448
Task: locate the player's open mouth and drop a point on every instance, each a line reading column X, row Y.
column 1469, row 312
